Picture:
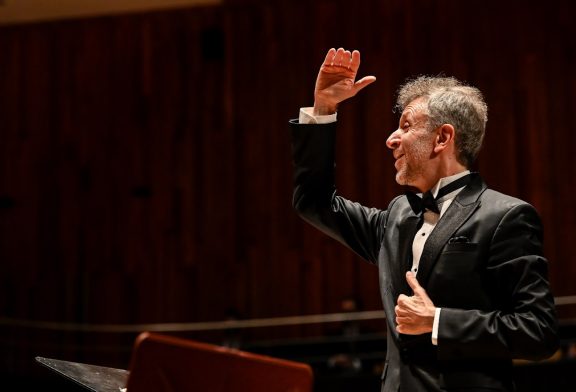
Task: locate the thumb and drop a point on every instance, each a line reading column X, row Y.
column 365, row 81
column 413, row 282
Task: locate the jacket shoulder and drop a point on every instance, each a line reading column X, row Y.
column 502, row 202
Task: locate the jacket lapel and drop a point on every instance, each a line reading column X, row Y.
column 465, row 203
column 406, row 232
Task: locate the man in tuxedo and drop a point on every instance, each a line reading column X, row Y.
column 462, row 277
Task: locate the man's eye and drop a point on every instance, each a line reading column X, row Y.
column 406, row 126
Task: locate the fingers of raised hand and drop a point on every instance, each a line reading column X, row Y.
column 355, row 61
column 338, row 58
column 329, row 59
column 346, row 59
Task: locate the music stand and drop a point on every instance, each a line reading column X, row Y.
column 92, row 377
column 162, row 363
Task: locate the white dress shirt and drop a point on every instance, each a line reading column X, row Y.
column 430, row 220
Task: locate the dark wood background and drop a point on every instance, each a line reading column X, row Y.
column 145, row 169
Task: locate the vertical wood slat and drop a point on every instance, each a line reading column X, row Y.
column 148, row 159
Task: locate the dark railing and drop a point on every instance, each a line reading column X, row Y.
column 350, row 358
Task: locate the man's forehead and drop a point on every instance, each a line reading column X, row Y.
column 415, row 108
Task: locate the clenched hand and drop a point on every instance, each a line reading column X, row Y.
column 415, row 314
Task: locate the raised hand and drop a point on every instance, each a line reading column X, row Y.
column 336, row 80
column 415, row 314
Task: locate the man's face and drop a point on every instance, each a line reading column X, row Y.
column 412, row 144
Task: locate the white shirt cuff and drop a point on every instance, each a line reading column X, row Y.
column 435, row 327
column 306, row 117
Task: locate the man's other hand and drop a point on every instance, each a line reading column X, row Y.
column 415, row 314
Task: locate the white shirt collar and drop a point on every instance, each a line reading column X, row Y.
column 447, row 180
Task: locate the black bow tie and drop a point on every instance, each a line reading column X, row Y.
column 428, row 202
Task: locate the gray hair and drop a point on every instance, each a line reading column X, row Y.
column 451, row 102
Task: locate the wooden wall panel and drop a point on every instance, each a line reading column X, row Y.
column 145, row 164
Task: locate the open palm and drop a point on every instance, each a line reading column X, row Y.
column 336, row 80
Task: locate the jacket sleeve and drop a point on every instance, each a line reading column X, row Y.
column 315, row 198
column 524, row 325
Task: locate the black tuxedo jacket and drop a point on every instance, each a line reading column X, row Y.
column 482, row 264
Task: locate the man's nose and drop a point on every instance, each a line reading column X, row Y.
column 393, row 140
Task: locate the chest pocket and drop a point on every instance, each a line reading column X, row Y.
column 458, row 259
column 456, row 279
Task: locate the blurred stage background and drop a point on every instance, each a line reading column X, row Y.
column 145, row 177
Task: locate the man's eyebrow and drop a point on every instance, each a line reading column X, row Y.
column 406, row 116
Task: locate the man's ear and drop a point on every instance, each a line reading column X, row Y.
column 444, row 137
